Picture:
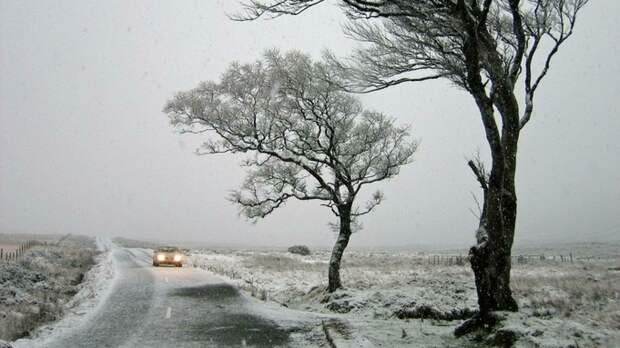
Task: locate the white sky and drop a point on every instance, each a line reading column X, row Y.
column 85, row 148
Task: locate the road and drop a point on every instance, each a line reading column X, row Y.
column 170, row 307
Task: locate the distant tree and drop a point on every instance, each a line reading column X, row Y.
column 486, row 47
column 308, row 139
column 299, row 249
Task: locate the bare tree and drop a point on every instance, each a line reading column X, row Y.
column 485, row 47
column 308, row 139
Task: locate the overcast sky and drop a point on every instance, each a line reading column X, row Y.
column 85, row 147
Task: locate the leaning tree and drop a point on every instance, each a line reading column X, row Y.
column 498, row 51
column 308, row 140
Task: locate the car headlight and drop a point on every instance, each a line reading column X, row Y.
column 177, row 258
column 161, row 257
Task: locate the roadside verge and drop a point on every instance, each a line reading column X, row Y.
column 91, row 293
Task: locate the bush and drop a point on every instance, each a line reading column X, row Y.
column 299, row 249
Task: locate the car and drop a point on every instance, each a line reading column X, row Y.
column 168, row 256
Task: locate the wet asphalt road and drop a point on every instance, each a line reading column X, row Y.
column 171, row 307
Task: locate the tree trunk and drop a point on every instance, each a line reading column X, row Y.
column 491, row 257
column 491, row 264
column 341, row 243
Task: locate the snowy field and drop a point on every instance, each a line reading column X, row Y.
column 403, row 297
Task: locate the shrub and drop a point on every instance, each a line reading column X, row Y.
column 299, row 249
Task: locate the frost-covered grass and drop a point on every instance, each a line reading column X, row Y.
column 377, row 284
column 587, row 288
column 583, row 297
column 34, row 289
column 560, row 302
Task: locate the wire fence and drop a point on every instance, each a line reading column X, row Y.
column 13, row 254
column 8, row 254
column 521, row 259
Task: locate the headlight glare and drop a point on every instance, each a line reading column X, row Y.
column 161, row 257
column 177, row 258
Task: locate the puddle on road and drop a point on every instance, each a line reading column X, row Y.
column 215, row 320
column 237, row 329
column 213, row 292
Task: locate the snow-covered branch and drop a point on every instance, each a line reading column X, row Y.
column 309, row 140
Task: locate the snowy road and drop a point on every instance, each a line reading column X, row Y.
column 168, row 307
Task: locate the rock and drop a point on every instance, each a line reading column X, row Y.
column 468, row 326
column 537, row 333
column 503, row 338
column 4, row 344
column 340, row 306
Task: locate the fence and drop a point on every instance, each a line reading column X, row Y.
column 448, row 260
column 14, row 254
column 523, row 259
column 460, row 260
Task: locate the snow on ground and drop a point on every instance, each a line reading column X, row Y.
column 364, row 314
column 390, row 299
column 377, row 284
column 399, row 298
column 532, row 331
column 96, row 281
column 91, row 293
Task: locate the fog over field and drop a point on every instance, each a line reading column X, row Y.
column 86, row 149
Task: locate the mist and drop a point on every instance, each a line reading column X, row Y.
column 86, row 149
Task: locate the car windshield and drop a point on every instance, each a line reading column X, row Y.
column 167, row 249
